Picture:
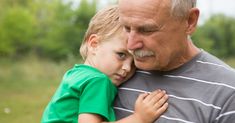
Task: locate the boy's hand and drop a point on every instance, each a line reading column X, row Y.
column 150, row 106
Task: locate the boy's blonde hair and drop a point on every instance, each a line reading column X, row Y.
column 104, row 24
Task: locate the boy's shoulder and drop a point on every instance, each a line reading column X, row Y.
column 81, row 75
column 84, row 71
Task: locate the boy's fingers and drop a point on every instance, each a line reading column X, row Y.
column 161, row 102
column 142, row 96
column 152, row 95
column 156, row 96
column 162, row 109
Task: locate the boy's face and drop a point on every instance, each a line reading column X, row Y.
column 112, row 58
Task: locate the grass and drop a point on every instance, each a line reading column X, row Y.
column 27, row 85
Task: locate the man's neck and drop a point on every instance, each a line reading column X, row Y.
column 190, row 52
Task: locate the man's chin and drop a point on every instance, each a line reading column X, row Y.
column 143, row 65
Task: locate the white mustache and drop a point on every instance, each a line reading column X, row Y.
column 142, row 53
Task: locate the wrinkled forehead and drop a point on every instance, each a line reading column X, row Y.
column 143, row 11
column 150, row 4
column 143, row 7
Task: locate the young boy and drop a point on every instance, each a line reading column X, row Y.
column 87, row 91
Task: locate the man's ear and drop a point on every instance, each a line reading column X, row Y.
column 192, row 20
column 92, row 43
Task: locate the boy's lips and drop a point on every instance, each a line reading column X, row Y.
column 119, row 77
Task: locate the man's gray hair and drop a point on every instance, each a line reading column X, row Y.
column 180, row 8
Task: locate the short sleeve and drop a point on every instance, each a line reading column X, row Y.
column 227, row 113
column 97, row 97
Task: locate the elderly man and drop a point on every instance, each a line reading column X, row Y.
column 201, row 87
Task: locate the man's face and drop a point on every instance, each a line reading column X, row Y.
column 156, row 39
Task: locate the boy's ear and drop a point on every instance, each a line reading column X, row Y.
column 92, row 42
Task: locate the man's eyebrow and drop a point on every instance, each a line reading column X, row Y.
column 149, row 26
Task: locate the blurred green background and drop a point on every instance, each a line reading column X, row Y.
column 40, row 39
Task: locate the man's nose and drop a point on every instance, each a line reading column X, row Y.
column 134, row 41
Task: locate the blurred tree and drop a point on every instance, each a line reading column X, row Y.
column 53, row 29
column 82, row 17
column 202, row 41
column 217, row 35
column 54, row 20
column 16, row 31
column 66, row 29
column 48, row 28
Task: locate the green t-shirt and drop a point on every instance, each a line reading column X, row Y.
column 83, row 89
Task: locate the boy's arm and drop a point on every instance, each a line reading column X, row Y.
column 148, row 108
column 90, row 118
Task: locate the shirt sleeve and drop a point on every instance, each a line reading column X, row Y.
column 227, row 114
column 97, row 97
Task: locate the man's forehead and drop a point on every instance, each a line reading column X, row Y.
column 137, row 22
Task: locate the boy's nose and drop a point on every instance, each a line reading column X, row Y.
column 126, row 67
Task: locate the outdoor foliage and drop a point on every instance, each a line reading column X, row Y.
column 217, row 36
column 53, row 29
column 39, row 31
column 47, row 28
